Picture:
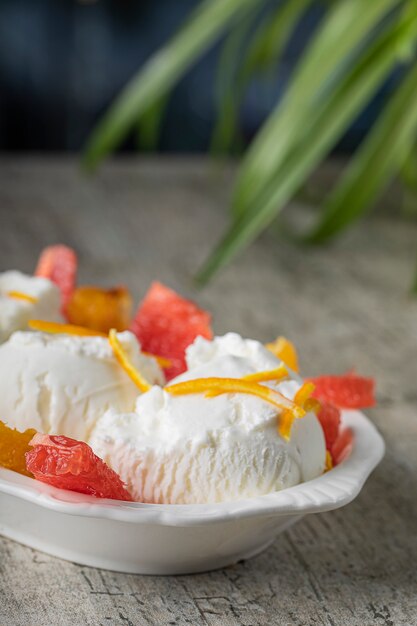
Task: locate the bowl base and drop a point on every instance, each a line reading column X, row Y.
column 149, row 550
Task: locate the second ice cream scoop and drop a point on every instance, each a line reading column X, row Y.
column 61, row 384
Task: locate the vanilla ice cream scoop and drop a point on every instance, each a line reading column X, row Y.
column 193, row 449
column 61, row 384
column 42, row 301
column 204, row 351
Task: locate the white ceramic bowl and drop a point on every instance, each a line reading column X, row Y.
column 175, row 539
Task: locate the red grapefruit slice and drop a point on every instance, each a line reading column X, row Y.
column 70, row 464
column 59, row 263
column 166, row 323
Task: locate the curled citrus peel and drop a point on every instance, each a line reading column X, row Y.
column 329, row 462
column 285, row 350
column 71, row 329
column 67, row 329
column 277, row 374
column 125, row 362
column 19, row 295
column 303, row 395
column 302, row 399
column 235, row 385
column 161, row 360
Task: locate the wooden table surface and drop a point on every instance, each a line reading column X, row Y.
column 345, row 305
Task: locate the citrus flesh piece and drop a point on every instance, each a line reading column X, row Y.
column 59, row 263
column 19, row 295
column 342, row 446
column 329, row 418
column 70, row 464
column 100, row 309
column 13, row 446
column 125, row 362
column 348, row 391
column 166, row 323
column 55, row 328
column 285, row 350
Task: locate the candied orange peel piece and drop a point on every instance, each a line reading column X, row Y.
column 125, row 362
column 19, row 295
column 285, row 350
column 100, row 309
column 301, row 399
column 13, row 447
column 235, row 385
column 329, row 462
column 66, row 329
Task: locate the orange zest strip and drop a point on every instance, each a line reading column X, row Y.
column 285, row 424
column 67, row 329
column 161, row 360
column 329, row 462
column 312, row 405
column 279, row 373
column 19, row 295
column 123, row 359
column 236, row 385
column 301, row 399
column 285, row 350
column 72, row 329
column 304, row 393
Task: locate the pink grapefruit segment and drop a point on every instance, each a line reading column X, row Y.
column 342, row 446
column 70, row 464
column 346, row 392
column 166, row 323
column 59, row 263
column 329, row 418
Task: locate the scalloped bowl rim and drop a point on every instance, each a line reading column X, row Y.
column 332, row 490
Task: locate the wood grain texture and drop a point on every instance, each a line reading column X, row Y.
column 345, row 305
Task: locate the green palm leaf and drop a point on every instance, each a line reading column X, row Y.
column 408, row 175
column 226, row 89
column 344, row 28
column 149, row 125
column 355, row 48
column 352, row 92
column 161, row 72
column 263, row 52
column 378, row 160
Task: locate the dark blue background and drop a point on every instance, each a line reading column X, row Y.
column 62, row 62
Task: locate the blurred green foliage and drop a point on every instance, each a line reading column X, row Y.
column 351, row 54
